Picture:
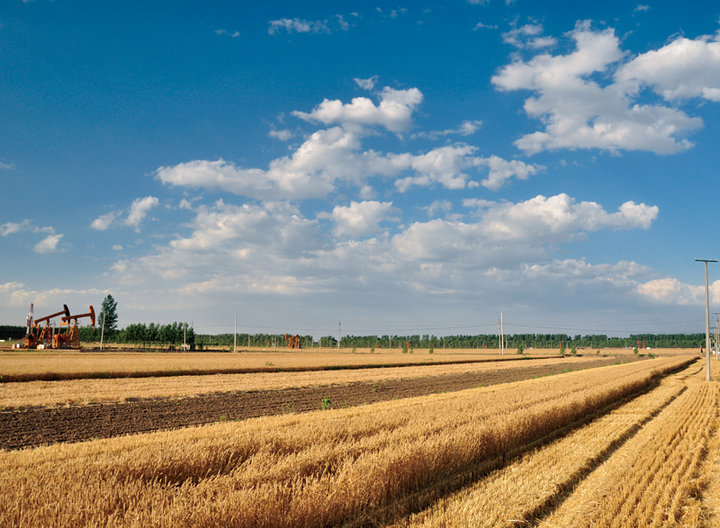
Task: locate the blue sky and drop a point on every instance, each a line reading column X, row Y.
column 402, row 168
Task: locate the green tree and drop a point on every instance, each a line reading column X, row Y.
column 108, row 314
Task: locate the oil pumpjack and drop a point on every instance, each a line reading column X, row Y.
column 40, row 334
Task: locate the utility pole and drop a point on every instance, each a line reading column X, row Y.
column 235, row 336
column 717, row 335
column 502, row 336
column 339, row 327
column 707, row 317
column 185, row 337
column 102, row 331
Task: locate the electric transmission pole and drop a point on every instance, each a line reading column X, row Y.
column 502, row 336
column 707, row 317
column 339, row 327
column 716, row 347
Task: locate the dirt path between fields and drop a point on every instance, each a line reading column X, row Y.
column 34, row 427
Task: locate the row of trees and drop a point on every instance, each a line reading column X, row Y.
column 524, row 340
column 142, row 334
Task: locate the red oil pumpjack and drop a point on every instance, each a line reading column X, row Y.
column 39, row 335
column 293, row 341
column 71, row 337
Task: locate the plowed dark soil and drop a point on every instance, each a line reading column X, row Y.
column 34, row 427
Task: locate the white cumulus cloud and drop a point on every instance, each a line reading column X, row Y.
column 139, row 210
column 682, row 69
column 669, row 290
column 579, row 112
column 360, row 219
column 48, row 244
column 103, row 222
column 297, row 25
column 394, row 111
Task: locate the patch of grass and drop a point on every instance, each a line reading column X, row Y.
column 325, row 404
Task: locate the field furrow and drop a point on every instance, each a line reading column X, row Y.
column 326, row 468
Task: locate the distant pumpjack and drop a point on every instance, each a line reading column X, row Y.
column 293, row 341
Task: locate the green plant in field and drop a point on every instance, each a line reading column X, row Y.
column 562, row 349
column 325, row 404
column 354, row 350
column 223, row 417
column 520, row 350
column 431, row 351
column 573, row 351
column 412, row 350
column 269, row 364
column 635, row 350
column 375, row 387
column 597, row 352
column 651, row 355
column 372, row 350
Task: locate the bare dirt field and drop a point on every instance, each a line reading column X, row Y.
column 36, row 426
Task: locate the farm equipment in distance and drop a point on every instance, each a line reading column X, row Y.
column 40, row 333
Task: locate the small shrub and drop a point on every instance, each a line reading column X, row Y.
column 372, row 350
column 521, row 350
column 573, row 351
column 325, row 404
column 431, row 351
column 269, row 364
column 635, row 350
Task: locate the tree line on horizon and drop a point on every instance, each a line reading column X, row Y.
column 153, row 334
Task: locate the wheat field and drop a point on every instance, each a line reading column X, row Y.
column 59, row 365
column 79, row 391
column 373, row 464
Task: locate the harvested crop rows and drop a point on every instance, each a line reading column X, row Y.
column 80, row 391
column 51, row 366
column 31, row 427
column 528, row 449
